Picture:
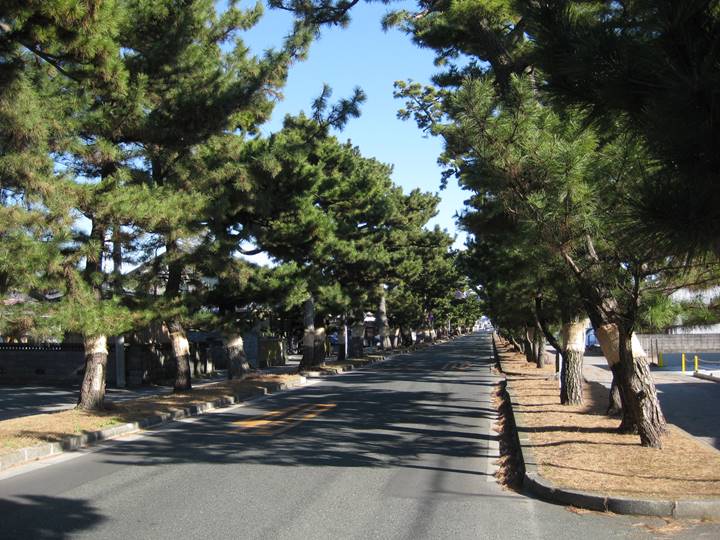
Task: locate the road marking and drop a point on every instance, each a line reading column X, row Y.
column 457, row 366
column 276, row 422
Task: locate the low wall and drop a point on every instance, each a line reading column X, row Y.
column 41, row 364
column 679, row 343
column 64, row 364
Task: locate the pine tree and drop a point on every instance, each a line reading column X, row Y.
column 198, row 88
column 545, row 170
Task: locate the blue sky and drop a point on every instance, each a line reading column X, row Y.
column 365, row 56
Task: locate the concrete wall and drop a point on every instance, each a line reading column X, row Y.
column 41, row 364
column 679, row 343
column 63, row 364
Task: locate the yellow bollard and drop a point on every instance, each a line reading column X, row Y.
column 683, row 362
column 696, row 362
column 660, row 360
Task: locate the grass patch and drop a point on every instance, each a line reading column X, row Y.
column 578, row 447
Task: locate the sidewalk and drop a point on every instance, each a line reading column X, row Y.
column 26, row 400
column 690, row 403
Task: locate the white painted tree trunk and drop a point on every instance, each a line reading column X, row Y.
column 181, row 352
column 237, row 361
column 92, row 391
column 609, row 339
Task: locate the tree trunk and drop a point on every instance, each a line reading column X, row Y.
column 571, row 392
column 321, row 347
column 530, row 344
column 92, row 391
column 571, row 379
column 609, row 339
column 538, row 346
column 342, row 340
column 181, row 352
column 357, row 334
column 614, row 400
column 639, row 395
column 237, row 362
column 382, row 324
column 308, row 358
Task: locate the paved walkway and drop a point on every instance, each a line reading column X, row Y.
column 26, row 400
column 690, row 403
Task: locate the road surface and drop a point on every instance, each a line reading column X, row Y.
column 401, row 451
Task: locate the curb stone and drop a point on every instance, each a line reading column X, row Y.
column 25, row 455
column 706, row 377
column 367, row 361
column 704, row 509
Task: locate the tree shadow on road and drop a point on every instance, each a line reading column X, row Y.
column 366, row 426
column 39, row 516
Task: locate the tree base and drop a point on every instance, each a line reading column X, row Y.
column 183, row 382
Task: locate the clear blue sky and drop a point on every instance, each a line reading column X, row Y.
column 365, row 56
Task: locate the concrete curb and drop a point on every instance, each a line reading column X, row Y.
column 704, row 509
column 706, row 377
column 547, row 490
column 73, row 442
column 356, row 363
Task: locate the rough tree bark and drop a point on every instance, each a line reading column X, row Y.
column 639, row 395
column 573, row 352
column 641, row 411
column 614, row 401
column 178, row 339
column 382, row 324
column 357, row 334
column 181, row 352
column 92, row 392
column 529, row 344
column 640, row 406
column 308, row 358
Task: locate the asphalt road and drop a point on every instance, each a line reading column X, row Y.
column 403, row 450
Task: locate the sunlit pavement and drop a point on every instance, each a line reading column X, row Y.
column 403, row 450
column 688, row 402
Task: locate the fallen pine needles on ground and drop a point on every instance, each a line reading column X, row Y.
column 510, row 468
column 578, row 447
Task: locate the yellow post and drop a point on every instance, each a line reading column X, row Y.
column 683, row 362
column 660, row 360
column 696, row 362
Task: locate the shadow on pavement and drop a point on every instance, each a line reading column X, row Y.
column 371, row 423
column 39, row 516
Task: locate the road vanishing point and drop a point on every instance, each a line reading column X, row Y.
column 403, row 450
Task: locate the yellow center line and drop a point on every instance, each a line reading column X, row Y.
column 256, row 421
column 276, row 422
column 293, row 420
